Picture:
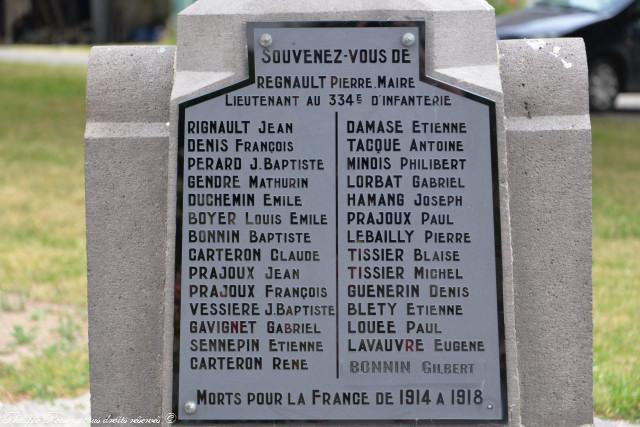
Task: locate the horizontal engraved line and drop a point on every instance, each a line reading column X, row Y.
column 548, row 123
column 138, row 130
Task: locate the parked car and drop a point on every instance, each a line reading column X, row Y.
column 611, row 32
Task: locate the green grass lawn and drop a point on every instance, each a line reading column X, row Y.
column 42, row 249
column 42, row 256
column 42, row 183
column 616, row 267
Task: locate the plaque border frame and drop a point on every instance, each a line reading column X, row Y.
column 182, row 106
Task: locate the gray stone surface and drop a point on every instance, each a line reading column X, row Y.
column 549, row 151
column 141, row 96
column 464, row 58
column 544, row 161
column 212, row 25
column 126, row 145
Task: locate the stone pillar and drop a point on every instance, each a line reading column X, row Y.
column 549, row 151
column 126, row 151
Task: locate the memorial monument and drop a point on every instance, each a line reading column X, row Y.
column 348, row 213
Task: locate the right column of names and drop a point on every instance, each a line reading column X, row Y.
column 406, row 231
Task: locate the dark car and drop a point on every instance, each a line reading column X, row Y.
column 611, row 32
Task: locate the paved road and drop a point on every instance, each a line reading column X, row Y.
column 628, row 102
column 602, row 423
column 45, row 55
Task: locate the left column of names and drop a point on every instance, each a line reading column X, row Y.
column 258, row 246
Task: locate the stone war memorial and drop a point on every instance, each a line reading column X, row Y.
column 352, row 213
